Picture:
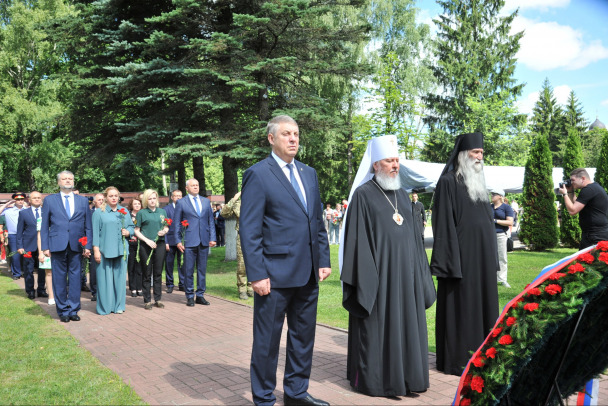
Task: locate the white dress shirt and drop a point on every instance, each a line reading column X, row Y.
column 285, row 170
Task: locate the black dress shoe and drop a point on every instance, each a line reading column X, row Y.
column 133, row 294
column 64, row 319
column 201, row 300
column 170, row 289
column 94, row 298
column 190, row 301
column 308, row 400
column 181, row 289
column 31, row 295
column 85, row 288
column 16, row 278
column 43, row 294
column 75, row 317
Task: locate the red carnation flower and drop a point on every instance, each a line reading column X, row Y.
column 558, row 275
column 603, row 257
column 185, row 223
column 479, row 361
column 576, row 268
column 553, row 289
column 491, row 352
column 496, row 331
column 586, row 257
column 531, row 307
column 535, row 292
column 122, row 210
column 168, row 221
column 83, row 240
column 477, row 384
column 27, row 254
column 465, row 402
column 602, row 246
column 511, row 321
column 505, row 340
column 467, row 380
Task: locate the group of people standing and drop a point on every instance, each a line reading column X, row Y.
column 59, row 235
column 333, row 222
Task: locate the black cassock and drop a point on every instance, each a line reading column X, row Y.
column 387, row 286
column 465, row 261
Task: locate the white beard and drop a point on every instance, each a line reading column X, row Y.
column 471, row 171
column 386, row 182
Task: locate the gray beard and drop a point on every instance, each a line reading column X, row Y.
column 473, row 177
column 388, row 183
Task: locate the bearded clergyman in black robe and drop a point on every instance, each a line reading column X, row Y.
column 387, row 283
column 465, row 258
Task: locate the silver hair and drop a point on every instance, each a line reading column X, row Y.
column 471, row 172
column 273, row 125
column 386, row 182
column 62, row 172
column 188, row 181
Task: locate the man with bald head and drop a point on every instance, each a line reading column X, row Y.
column 199, row 235
column 27, row 241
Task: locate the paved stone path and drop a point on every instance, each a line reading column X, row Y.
column 200, row 355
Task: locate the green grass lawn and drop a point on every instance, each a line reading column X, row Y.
column 41, row 363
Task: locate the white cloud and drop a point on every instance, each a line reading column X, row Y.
column 526, row 104
column 604, row 103
column 549, row 45
column 543, row 5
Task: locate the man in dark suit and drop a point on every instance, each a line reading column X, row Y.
column 199, row 236
column 66, row 218
column 286, row 253
column 171, row 244
column 27, row 241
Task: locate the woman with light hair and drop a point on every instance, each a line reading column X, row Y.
column 112, row 225
column 152, row 225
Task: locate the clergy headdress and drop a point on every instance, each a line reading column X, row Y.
column 378, row 148
column 464, row 142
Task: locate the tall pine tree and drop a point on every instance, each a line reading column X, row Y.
column 548, row 119
column 475, row 58
column 539, row 221
column 570, row 231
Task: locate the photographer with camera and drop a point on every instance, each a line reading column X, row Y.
column 591, row 203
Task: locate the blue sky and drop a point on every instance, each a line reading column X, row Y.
column 565, row 41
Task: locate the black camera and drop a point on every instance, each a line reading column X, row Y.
column 566, row 183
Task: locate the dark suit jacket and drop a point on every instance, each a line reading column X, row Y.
column 27, row 234
column 201, row 229
column 170, row 237
column 279, row 239
column 57, row 232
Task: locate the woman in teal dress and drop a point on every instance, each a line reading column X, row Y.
column 111, row 224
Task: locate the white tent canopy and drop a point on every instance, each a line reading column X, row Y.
column 423, row 176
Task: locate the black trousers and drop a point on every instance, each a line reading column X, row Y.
column 153, row 270
column 134, row 268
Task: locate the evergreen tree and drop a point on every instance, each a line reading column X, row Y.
column 574, row 117
column 475, row 58
column 570, row 231
column 601, row 170
column 539, row 221
column 547, row 118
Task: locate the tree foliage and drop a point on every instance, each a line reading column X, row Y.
column 548, row 119
column 475, row 60
column 539, row 221
column 601, row 171
column 570, row 230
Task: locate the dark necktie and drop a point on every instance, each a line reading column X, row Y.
column 67, row 206
column 37, row 214
column 296, row 186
